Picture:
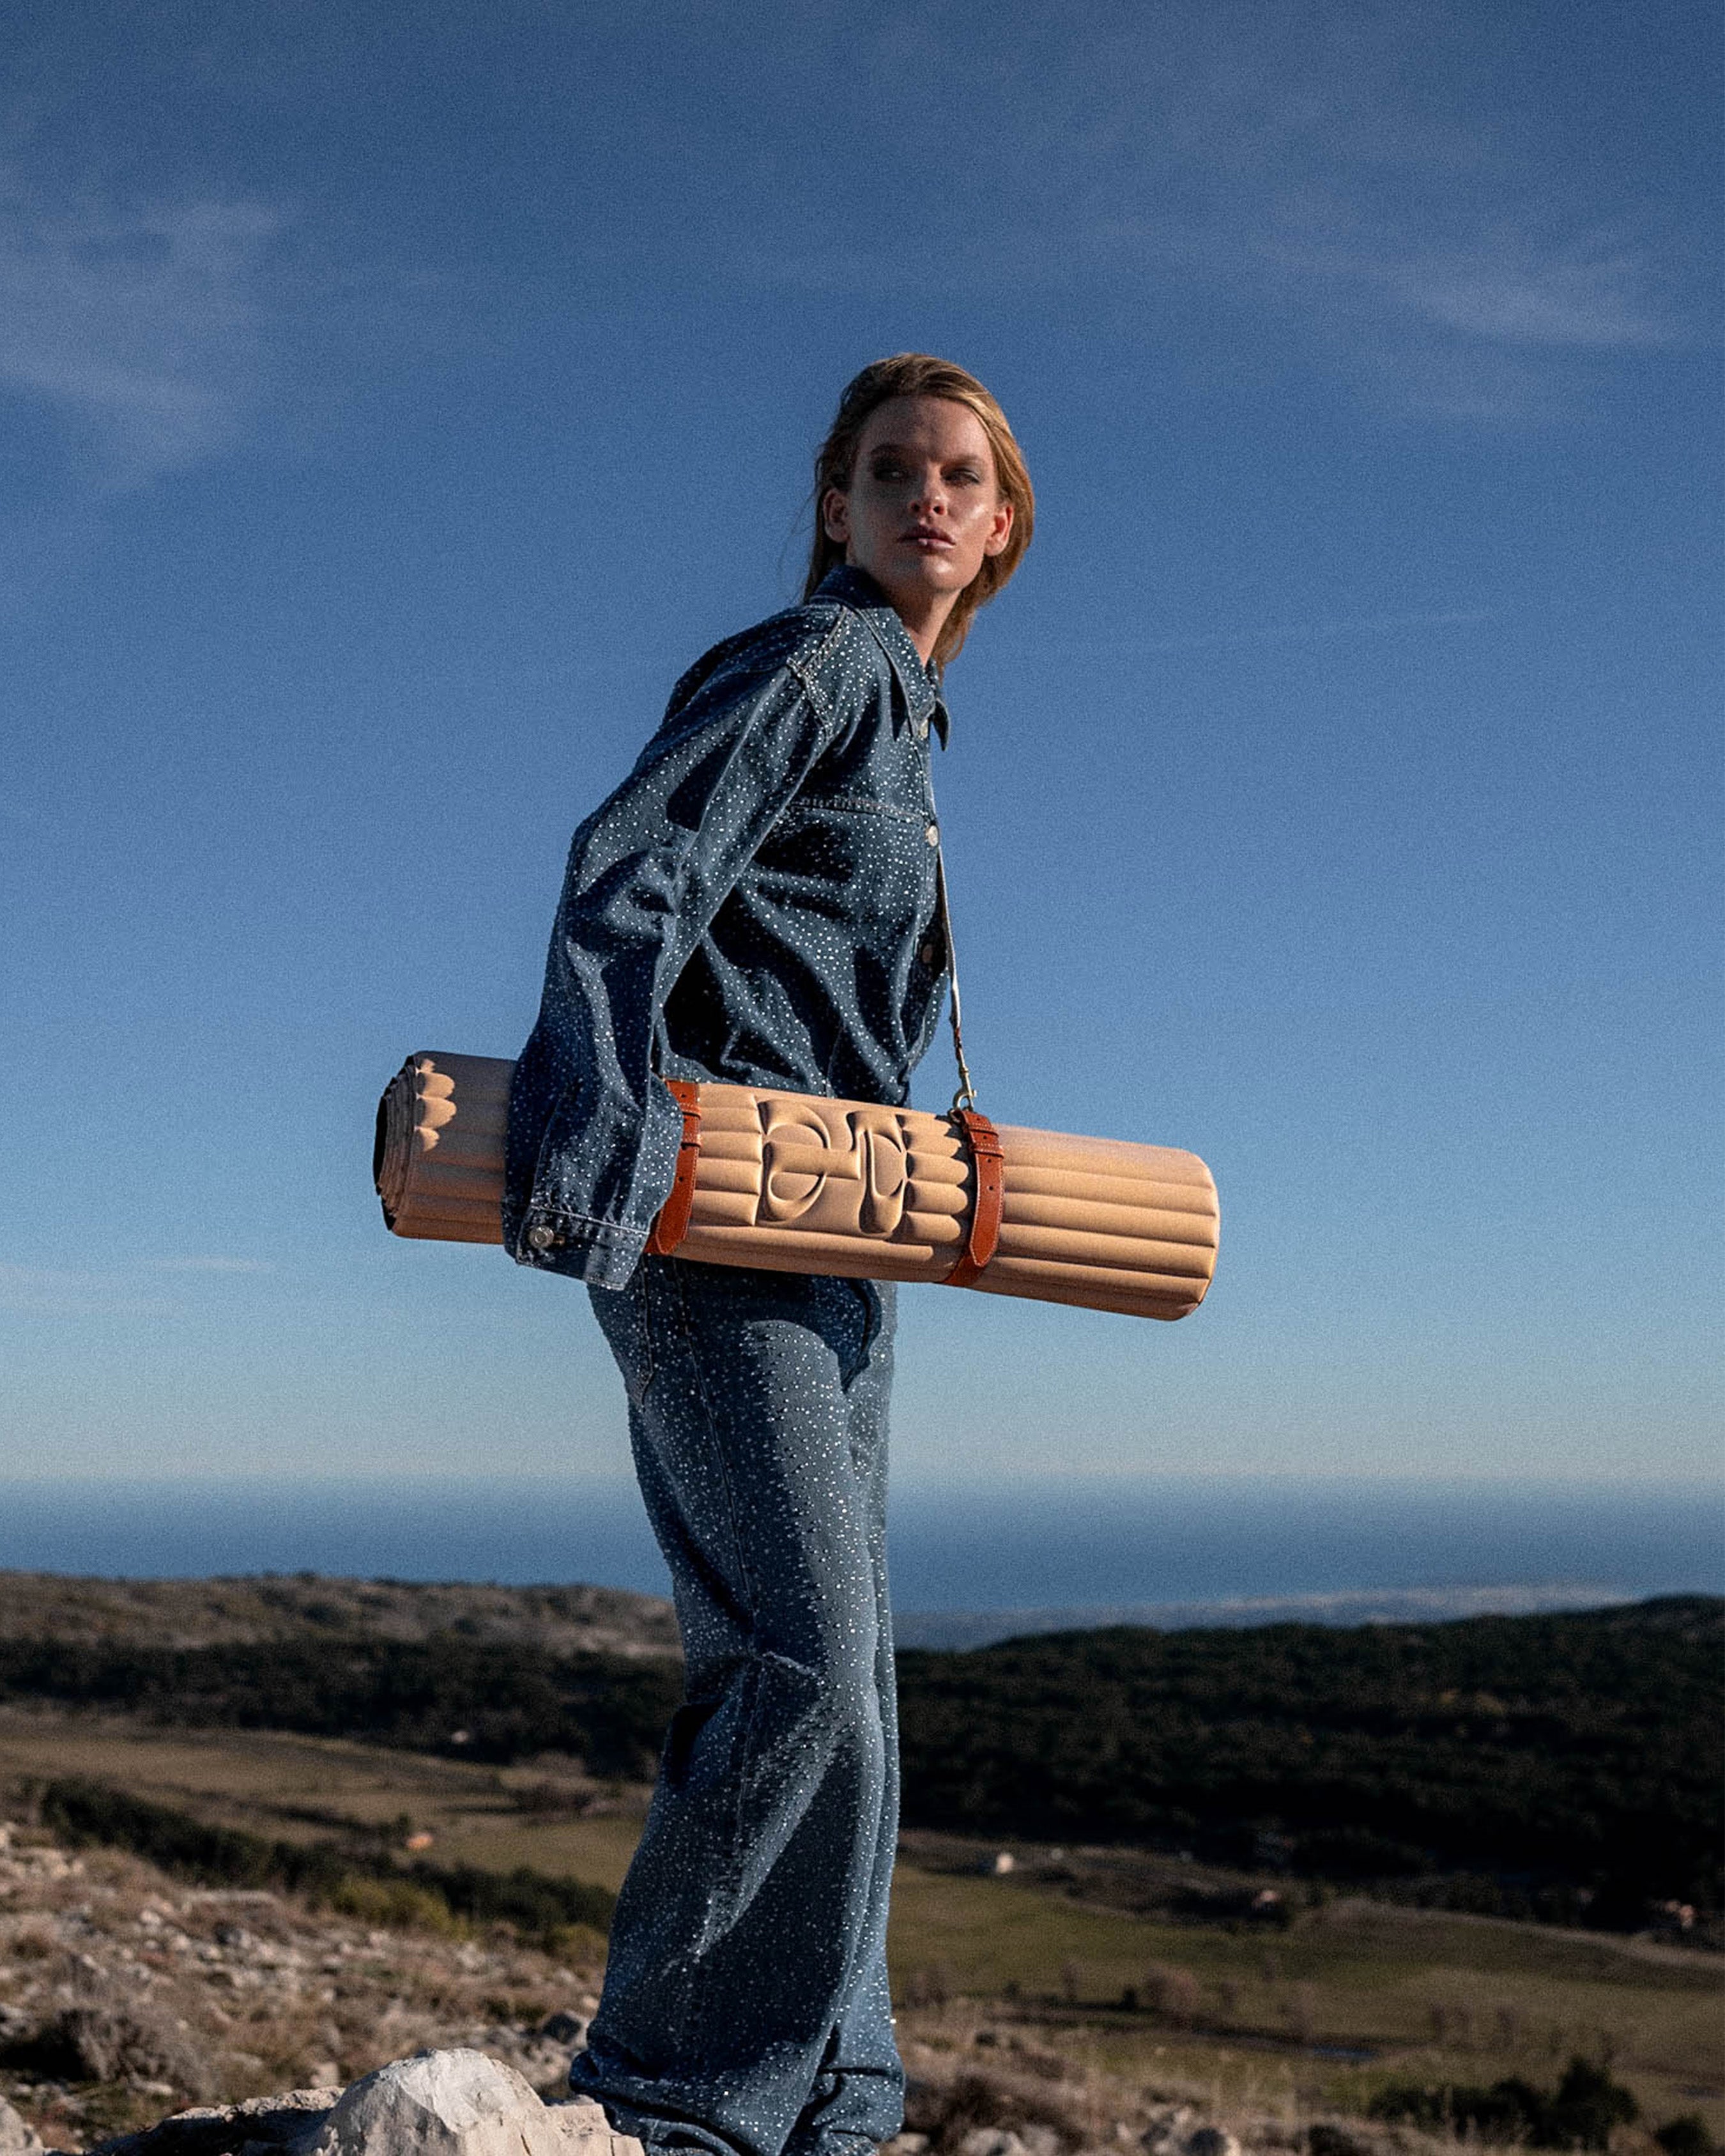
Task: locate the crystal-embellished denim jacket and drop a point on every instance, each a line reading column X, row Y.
column 755, row 903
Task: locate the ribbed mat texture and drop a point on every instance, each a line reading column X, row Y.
column 790, row 1183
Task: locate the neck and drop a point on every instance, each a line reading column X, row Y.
column 924, row 619
column 924, row 614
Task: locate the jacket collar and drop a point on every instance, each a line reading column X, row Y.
column 921, row 685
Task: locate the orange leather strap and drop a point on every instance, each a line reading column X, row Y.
column 980, row 1245
column 672, row 1224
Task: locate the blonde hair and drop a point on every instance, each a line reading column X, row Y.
column 918, row 374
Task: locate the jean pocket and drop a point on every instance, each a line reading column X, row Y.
column 686, row 1724
column 870, row 1304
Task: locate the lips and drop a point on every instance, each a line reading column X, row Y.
column 925, row 536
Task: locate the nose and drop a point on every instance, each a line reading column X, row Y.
column 929, row 494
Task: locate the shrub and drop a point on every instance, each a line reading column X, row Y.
column 1579, row 2113
column 1588, row 2104
column 366, row 1883
column 1173, row 1993
column 1687, row 2136
column 948, row 2113
column 397, row 1904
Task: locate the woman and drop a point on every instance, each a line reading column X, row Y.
column 758, row 903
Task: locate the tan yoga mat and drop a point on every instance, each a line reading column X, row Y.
column 793, row 1183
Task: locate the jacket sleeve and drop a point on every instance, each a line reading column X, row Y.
column 592, row 1131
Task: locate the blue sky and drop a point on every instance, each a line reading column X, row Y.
column 394, row 401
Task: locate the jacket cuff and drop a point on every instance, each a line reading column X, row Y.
column 603, row 1253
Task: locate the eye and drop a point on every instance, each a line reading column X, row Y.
column 966, row 475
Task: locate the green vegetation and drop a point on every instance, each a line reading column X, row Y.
column 366, row 1884
column 1687, row 2135
column 1578, row 2113
column 1559, row 1767
column 1562, row 1768
column 1354, row 1995
column 482, row 1699
column 1118, row 1962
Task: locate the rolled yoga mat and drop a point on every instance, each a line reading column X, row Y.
column 790, row 1182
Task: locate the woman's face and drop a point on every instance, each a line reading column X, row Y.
column 924, row 509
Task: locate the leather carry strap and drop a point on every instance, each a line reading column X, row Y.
column 980, row 1245
column 981, row 1138
column 672, row 1224
column 965, row 1097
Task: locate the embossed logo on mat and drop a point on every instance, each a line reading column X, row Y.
column 843, row 1166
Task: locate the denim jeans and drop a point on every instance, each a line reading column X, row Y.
column 746, row 2007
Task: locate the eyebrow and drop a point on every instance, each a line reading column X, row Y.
column 898, row 449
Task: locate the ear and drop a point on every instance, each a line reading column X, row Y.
column 835, row 516
column 1000, row 530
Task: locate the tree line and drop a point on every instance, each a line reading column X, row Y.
column 1565, row 1766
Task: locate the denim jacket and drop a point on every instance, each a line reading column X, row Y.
column 755, row 903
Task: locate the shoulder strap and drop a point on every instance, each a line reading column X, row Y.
column 981, row 1139
column 965, row 1097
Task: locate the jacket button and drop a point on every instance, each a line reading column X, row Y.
column 933, row 834
column 541, row 1237
column 927, row 954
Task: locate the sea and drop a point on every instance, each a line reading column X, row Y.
column 970, row 1564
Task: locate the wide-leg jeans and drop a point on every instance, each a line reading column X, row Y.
column 746, row 2007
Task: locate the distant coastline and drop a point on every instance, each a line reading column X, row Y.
column 970, row 1557
column 1419, row 1605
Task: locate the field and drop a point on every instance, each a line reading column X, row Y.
column 1069, row 1964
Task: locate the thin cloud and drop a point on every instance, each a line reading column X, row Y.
column 1586, row 294
column 1318, row 156
column 50, row 1291
column 210, row 1265
column 1335, row 176
column 139, row 323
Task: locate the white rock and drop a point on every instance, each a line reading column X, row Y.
column 544, row 2066
column 460, row 2104
column 585, row 2128
column 15, row 2137
column 991, row 2141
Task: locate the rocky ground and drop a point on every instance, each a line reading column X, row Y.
column 125, row 1997
column 122, row 1992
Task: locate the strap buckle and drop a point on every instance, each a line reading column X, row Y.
column 987, row 1167
column 672, row 1224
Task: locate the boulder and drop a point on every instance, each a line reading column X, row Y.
column 106, row 2037
column 16, row 2139
column 261, row 2123
column 437, row 2103
column 459, row 2103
